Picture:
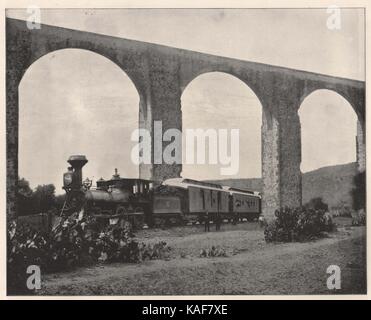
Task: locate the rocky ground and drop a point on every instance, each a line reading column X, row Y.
column 251, row 266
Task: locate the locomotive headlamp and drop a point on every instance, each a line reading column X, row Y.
column 68, row 178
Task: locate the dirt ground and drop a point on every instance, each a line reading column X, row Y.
column 251, row 266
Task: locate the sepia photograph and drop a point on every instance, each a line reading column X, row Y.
column 185, row 152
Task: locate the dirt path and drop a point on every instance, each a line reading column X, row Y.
column 252, row 267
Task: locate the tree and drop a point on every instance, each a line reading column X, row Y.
column 25, row 204
column 44, row 196
column 24, row 187
column 42, row 199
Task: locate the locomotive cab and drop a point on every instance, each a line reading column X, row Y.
column 136, row 187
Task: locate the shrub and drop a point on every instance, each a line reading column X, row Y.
column 76, row 241
column 344, row 210
column 24, row 247
column 299, row 224
column 359, row 218
column 213, row 252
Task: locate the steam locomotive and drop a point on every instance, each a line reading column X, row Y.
column 138, row 201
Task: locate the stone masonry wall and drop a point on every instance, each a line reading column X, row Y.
column 361, row 147
column 160, row 74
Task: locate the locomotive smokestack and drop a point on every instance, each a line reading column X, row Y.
column 77, row 162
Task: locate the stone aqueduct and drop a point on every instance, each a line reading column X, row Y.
column 160, row 75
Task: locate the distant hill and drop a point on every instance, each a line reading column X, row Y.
column 333, row 184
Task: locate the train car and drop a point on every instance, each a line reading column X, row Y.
column 244, row 203
column 190, row 200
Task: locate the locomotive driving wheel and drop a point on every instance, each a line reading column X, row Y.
column 122, row 212
column 138, row 219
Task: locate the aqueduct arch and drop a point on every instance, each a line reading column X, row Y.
column 160, row 74
column 42, row 90
column 230, row 85
column 327, row 111
column 356, row 99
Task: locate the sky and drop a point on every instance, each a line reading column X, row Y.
column 76, row 101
